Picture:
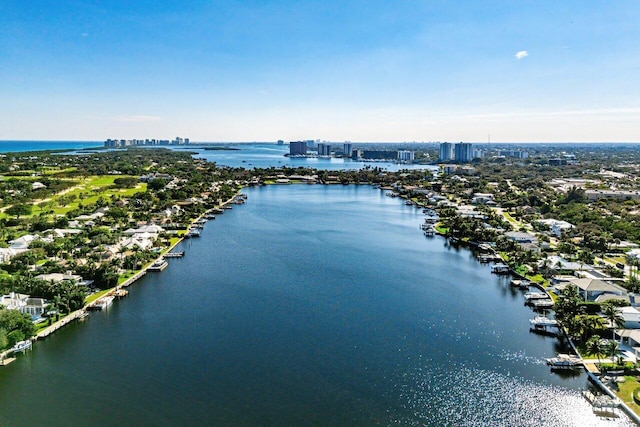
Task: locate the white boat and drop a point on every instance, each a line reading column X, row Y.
column 21, row 346
column 542, row 303
column 535, row 295
column 102, row 303
column 522, row 284
column 159, row 265
column 564, row 361
column 541, row 321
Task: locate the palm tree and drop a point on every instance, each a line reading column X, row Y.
column 594, row 346
column 613, row 315
column 611, row 349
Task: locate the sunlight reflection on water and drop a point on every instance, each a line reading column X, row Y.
column 473, row 397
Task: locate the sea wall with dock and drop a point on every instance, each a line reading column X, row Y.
column 119, row 291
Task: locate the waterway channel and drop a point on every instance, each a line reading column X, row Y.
column 308, row 305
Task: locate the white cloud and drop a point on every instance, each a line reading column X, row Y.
column 521, row 54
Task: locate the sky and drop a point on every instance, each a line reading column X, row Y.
column 357, row 70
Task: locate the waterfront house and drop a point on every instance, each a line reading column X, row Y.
column 14, row 301
column 59, row 277
column 35, row 307
column 594, row 288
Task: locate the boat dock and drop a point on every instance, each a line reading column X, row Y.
column 174, row 254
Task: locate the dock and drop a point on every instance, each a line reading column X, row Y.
column 174, row 254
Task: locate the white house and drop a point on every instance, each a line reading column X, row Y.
column 6, row 254
column 35, row 307
column 59, row 277
column 631, row 317
column 22, row 244
column 557, row 227
column 14, row 301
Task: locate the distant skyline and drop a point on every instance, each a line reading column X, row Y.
column 371, row 70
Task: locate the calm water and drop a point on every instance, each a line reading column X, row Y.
column 267, row 155
column 309, row 305
column 20, row 146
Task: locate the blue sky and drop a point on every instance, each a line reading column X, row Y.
column 349, row 70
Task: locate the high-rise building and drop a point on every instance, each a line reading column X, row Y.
column 406, row 156
column 297, row 148
column 463, row 152
column 446, row 151
column 346, row 149
column 324, row 149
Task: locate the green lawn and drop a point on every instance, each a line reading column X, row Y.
column 88, row 192
column 625, row 393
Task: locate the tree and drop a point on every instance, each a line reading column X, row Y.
column 18, row 326
column 19, row 209
column 611, row 349
column 594, row 346
column 613, row 315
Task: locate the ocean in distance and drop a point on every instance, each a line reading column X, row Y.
column 308, row 305
column 22, row 146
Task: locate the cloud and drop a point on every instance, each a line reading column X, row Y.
column 85, row 34
column 521, row 54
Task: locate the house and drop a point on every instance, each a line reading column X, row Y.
column 59, row 277
column 136, row 242
column 145, row 229
column 483, row 199
column 559, row 263
column 37, row 186
column 14, row 301
column 631, row 317
column 595, row 288
column 22, row 244
column 6, row 254
column 61, row 232
column 521, row 237
column 557, row 227
column 35, row 307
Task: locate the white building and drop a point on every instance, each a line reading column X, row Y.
column 557, row 227
column 406, row 156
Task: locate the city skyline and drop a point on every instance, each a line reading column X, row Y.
column 359, row 71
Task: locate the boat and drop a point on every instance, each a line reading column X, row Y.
column 564, row 361
column 542, row 303
column 82, row 316
column 120, row 293
column 500, row 269
column 535, row 295
column 159, row 265
column 522, row 284
column 102, row 303
column 542, row 322
column 21, row 346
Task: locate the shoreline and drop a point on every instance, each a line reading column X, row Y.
column 6, row 357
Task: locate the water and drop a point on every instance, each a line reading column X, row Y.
column 308, row 305
column 21, row 146
column 270, row 155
